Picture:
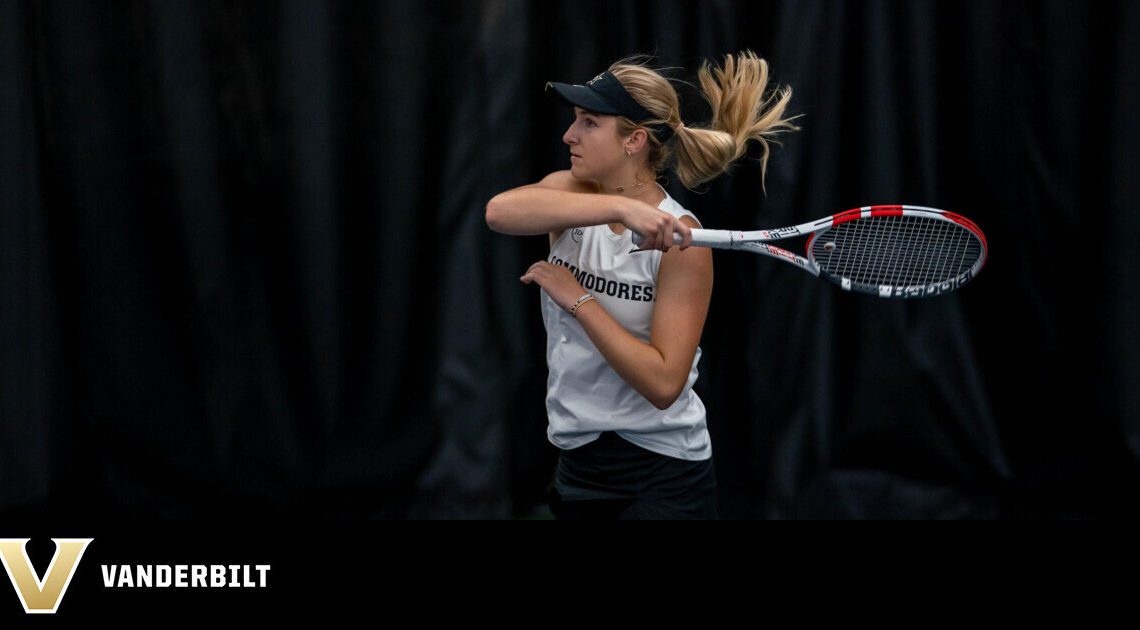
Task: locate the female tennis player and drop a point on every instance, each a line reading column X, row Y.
column 623, row 326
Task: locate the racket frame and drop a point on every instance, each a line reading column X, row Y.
column 758, row 241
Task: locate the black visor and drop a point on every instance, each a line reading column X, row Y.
column 604, row 94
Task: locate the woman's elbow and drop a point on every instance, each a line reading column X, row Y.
column 494, row 214
column 665, row 398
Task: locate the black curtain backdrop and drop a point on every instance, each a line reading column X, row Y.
column 245, row 269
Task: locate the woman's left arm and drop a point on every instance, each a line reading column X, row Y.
column 659, row 369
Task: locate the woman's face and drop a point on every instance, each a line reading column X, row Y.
column 595, row 146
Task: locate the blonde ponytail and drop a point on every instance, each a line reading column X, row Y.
column 741, row 112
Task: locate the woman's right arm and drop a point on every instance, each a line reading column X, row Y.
column 558, row 202
column 562, row 201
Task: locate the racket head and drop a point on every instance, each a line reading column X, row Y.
column 898, row 251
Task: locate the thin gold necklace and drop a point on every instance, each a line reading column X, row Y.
column 621, row 189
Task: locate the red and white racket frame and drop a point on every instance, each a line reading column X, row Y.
column 755, row 241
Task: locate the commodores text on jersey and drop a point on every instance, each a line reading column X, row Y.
column 612, row 288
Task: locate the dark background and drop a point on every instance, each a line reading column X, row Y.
column 245, row 270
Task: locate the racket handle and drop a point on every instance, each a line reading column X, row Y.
column 701, row 238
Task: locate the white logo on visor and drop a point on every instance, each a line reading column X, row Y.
column 595, row 79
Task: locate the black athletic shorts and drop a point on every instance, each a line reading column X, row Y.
column 614, row 479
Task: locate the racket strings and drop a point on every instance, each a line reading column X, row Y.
column 900, row 251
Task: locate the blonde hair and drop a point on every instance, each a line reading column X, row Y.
column 740, row 112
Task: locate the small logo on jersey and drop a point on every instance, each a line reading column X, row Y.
column 576, row 235
column 595, row 79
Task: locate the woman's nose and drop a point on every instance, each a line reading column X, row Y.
column 568, row 137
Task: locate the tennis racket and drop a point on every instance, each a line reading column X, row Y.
column 888, row 251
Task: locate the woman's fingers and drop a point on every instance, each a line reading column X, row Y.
column 665, row 235
column 686, row 235
column 533, row 273
column 660, row 231
column 662, row 234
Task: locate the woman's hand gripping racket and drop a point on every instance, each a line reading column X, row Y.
column 888, row 251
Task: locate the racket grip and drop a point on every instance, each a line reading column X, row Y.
column 701, row 238
column 677, row 238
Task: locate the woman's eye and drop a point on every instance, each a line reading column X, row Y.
column 590, row 123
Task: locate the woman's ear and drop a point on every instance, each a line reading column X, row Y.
column 636, row 141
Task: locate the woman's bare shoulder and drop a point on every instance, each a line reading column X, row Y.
column 564, row 180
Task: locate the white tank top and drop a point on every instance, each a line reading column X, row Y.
column 585, row 396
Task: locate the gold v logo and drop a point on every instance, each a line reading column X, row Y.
column 42, row 596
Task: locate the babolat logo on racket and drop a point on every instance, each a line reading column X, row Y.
column 783, row 232
column 932, row 290
column 782, row 253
